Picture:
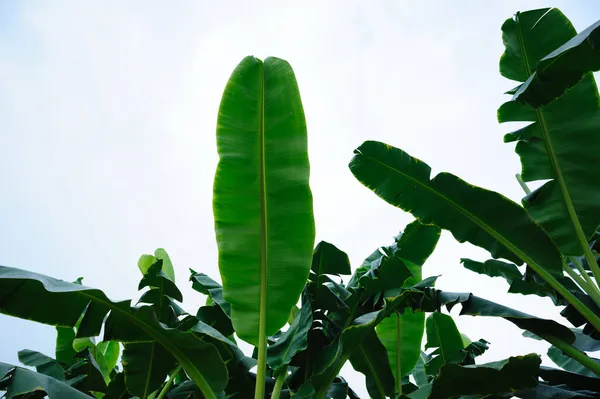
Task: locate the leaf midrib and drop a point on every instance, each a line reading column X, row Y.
column 398, row 355
column 374, row 374
column 488, row 229
column 263, row 206
column 550, row 150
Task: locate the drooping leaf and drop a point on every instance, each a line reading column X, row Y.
column 262, row 201
column 560, row 144
column 418, row 372
column 47, row 300
column 146, row 366
column 19, row 383
column 370, row 359
column 207, row 286
column 416, row 243
column 42, row 363
column 545, row 391
column 387, row 272
column 569, row 364
column 324, row 293
column 443, row 335
column 294, row 340
column 482, row 217
column 214, row 316
column 510, row 375
column 87, row 373
column 562, row 68
column 568, row 378
column 116, row 388
column 476, row 306
column 519, row 283
column 329, row 259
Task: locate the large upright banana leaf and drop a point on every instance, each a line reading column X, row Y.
column 262, row 200
column 562, row 142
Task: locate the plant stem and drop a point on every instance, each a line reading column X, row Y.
column 163, row 391
column 575, row 354
column 398, row 356
column 332, row 374
column 279, row 383
column 200, row 381
column 522, row 184
column 577, row 304
column 261, row 369
column 562, row 290
column 590, row 290
column 583, row 272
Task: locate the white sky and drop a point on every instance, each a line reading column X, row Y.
column 107, row 131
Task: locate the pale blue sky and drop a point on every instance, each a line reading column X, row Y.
column 107, row 130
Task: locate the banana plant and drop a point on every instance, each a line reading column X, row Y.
column 554, row 231
column 262, row 201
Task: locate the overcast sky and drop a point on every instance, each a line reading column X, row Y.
column 107, row 131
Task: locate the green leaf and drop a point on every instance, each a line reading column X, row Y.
column 443, row 335
column 167, row 265
column 262, row 201
column 416, row 244
column 569, row 364
column 418, row 371
column 117, row 389
column 562, row 68
column 402, row 335
column 294, row 340
column 370, row 359
column 87, row 373
column 517, row 281
column 483, row 218
column 545, row 391
column 145, row 262
column 214, row 316
column 386, row 273
column 323, row 292
column 476, row 306
column 42, row 363
column 47, row 300
column 146, row 366
column 18, row 382
column 335, row 355
column 329, row 259
column 560, row 144
column 155, row 277
column 64, row 345
column 207, row 286
column 493, row 378
column 110, row 350
column 572, row 380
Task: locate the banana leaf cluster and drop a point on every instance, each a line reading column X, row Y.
column 305, row 310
